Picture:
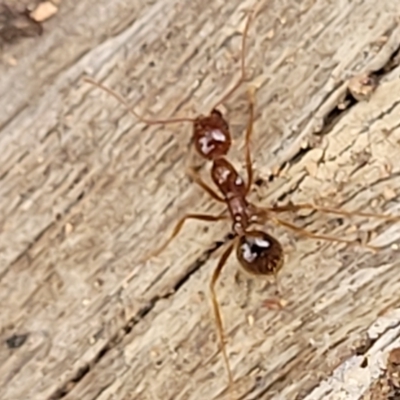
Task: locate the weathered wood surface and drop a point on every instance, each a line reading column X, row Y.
column 86, row 190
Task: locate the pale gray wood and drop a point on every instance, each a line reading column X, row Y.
column 357, row 374
column 86, row 191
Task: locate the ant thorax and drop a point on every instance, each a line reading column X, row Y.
column 211, row 135
column 227, row 179
column 233, row 188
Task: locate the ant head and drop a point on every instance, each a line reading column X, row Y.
column 211, row 135
column 259, row 253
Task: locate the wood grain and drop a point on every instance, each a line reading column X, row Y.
column 86, row 191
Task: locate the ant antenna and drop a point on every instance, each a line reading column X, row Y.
column 242, row 77
column 148, row 121
column 125, row 103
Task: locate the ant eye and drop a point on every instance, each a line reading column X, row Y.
column 260, row 253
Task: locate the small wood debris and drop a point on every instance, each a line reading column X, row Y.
column 362, row 86
column 44, row 11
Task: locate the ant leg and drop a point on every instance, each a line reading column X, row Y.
column 304, row 232
column 217, row 311
column 307, row 206
column 178, row 227
column 249, row 131
column 197, row 179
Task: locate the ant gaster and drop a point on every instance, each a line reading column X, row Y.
column 257, row 252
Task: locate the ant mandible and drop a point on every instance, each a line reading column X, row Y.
column 258, row 252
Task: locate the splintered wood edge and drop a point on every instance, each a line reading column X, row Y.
column 354, row 377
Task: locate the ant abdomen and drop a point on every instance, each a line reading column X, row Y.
column 259, row 253
column 211, row 135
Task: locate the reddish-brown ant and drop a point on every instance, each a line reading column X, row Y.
column 257, row 252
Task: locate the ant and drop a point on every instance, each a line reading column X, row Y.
column 258, row 252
